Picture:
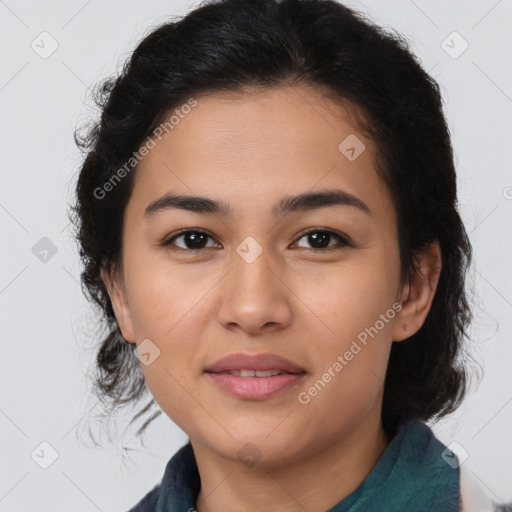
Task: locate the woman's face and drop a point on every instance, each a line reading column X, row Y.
column 252, row 281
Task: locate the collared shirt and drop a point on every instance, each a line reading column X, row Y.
column 416, row 473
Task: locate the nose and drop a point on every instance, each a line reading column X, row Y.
column 255, row 298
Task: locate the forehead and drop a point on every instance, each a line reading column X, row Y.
column 252, row 147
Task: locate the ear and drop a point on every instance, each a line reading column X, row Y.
column 418, row 293
column 117, row 294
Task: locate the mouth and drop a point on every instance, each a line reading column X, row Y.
column 254, row 377
column 255, row 373
column 252, row 387
column 256, row 363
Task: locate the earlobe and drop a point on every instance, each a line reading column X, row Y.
column 119, row 304
column 418, row 294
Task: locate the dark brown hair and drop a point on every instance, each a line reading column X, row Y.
column 227, row 45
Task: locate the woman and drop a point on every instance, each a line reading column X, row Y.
column 267, row 218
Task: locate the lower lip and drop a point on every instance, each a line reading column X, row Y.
column 255, row 388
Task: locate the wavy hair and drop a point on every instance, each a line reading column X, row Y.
column 229, row 45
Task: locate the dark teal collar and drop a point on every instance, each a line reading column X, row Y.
column 411, row 475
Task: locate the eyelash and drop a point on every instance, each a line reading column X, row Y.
column 344, row 241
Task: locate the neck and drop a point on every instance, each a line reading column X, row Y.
column 317, row 481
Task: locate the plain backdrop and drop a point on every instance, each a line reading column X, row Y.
column 48, row 336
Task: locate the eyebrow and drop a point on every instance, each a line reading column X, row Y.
column 303, row 202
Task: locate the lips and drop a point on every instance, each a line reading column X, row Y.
column 255, row 373
column 261, row 365
column 255, row 377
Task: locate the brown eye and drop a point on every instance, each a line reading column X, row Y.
column 321, row 239
column 192, row 240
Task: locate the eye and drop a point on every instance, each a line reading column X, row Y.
column 192, row 238
column 320, row 239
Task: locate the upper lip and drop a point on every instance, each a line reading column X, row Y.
column 254, row 362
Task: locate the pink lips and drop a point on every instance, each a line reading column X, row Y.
column 255, row 388
column 254, row 362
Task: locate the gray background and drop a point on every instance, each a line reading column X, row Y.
column 48, row 331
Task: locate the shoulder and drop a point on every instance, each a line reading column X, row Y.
column 178, row 488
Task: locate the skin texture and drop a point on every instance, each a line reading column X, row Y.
column 306, row 305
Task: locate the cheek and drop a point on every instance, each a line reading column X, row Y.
column 353, row 324
column 169, row 307
column 162, row 295
column 346, row 300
